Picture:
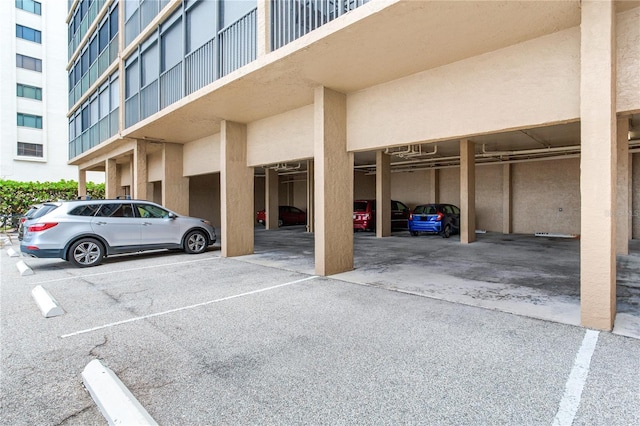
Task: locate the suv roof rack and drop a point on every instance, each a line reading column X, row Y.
column 123, row 197
column 84, row 197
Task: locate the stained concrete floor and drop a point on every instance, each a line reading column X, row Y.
column 526, row 275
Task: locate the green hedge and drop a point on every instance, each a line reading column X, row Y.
column 17, row 197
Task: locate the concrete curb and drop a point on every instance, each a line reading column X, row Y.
column 47, row 304
column 24, row 268
column 116, row 403
column 12, row 253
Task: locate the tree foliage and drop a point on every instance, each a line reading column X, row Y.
column 17, row 197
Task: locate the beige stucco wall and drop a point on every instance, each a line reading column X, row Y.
column 449, row 184
column 204, row 198
column 489, row 198
column 281, row 138
column 124, row 172
column 636, row 196
column 155, row 166
column 628, row 64
column 538, row 82
column 540, row 189
column 364, row 186
column 202, row 156
column 411, row 188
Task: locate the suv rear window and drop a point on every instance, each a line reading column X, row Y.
column 44, row 209
column 86, row 210
column 360, row 206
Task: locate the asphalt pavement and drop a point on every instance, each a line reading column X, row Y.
column 201, row 339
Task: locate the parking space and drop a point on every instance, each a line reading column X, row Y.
column 203, row 339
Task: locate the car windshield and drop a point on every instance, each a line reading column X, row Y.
column 360, row 206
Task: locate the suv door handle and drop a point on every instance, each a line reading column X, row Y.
column 146, row 223
column 101, row 223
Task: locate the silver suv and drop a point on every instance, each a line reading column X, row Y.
column 85, row 231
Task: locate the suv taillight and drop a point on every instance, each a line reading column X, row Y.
column 410, row 216
column 38, row 227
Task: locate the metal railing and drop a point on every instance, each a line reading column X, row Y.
column 171, row 86
column 149, row 99
column 200, row 67
column 238, row 43
column 131, row 111
column 291, row 19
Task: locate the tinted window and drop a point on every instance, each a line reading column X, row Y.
column 295, row 210
column 401, row 206
column 447, row 209
column 116, row 210
column 46, row 208
column 86, row 210
column 151, row 211
column 455, row 210
column 360, row 206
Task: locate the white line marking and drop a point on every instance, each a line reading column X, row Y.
column 186, row 307
column 573, row 389
column 124, row 270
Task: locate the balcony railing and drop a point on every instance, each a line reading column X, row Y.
column 291, row 19
column 171, row 86
column 238, row 43
column 200, row 67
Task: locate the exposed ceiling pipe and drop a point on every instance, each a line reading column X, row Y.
column 486, row 153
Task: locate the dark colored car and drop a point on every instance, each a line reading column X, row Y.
column 364, row 215
column 443, row 219
column 287, row 215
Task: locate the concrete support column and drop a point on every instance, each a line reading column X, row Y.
column 271, row 198
column 111, row 179
column 140, row 176
column 333, row 184
column 175, row 187
column 82, row 183
column 598, row 161
column 467, row 192
column 236, row 191
column 264, row 27
column 434, row 185
column 622, row 211
column 310, row 197
column 507, row 206
column 383, row 194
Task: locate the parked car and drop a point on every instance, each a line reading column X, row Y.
column 287, row 215
column 30, row 214
column 443, row 219
column 364, row 215
column 85, row 231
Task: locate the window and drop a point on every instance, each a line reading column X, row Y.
column 28, row 120
column 234, row 10
column 86, row 210
column 113, row 22
column 172, row 46
column 114, row 93
column 149, row 65
column 116, row 210
column 29, row 34
column 30, row 149
column 31, row 92
column 30, row 6
column 151, row 211
column 132, row 79
column 28, row 63
column 200, row 24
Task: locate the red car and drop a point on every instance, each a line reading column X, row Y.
column 288, row 215
column 364, row 215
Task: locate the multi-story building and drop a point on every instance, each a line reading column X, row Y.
column 526, row 114
column 33, row 129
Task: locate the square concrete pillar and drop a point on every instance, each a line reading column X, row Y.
column 140, row 175
column 507, row 198
column 236, row 191
column 467, row 192
column 264, row 27
column 598, row 160
column 333, row 184
column 82, row 183
column 434, row 185
column 271, row 197
column 111, row 179
column 310, row 196
column 622, row 211
column 175, row 187
column 383, row 194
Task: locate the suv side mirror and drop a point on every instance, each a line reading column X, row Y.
column 172, row 215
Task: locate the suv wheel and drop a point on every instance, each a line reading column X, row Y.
column 195, row 242
column 447, row 232
column 86, row 252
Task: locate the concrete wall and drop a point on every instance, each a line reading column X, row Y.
column 628, row 64
column 204, row 198
column 364, row 186
column 411, row 188
column 489, row 192
column 636, row 196
column 293, row 129
column 540, row 190
column 155, row 166
column 446, row 103
column 202, row 156
column 450, row 186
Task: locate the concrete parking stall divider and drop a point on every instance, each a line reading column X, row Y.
column 24, row 269
column 45, row 301
column 116, row 403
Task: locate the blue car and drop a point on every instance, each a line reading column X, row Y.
column 443, row 219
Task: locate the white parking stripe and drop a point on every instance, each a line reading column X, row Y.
column 73, row 277
column 186, row 307
column 573, row 389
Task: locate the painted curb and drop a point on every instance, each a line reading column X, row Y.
column 47, row 304
column 12, row 253
column 116, row 403
column 24, row 268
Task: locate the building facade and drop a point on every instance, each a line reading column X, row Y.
column 33, row 129
column 525, row 114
